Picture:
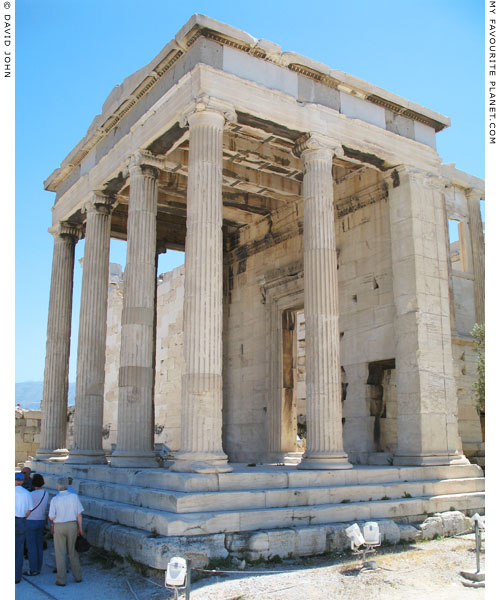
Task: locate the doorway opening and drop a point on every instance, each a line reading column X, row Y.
column 383, row 404
column 293, row 391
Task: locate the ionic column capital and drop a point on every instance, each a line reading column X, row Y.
column 65, row 229
column 207, row 108
column 143, row 162
column 100, row 203
column 474, row 194
column 318, row 144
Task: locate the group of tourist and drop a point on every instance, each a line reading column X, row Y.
column 65, row 513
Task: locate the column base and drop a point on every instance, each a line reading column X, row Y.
column 86, row 457
column 46, row 454
column 326, row 461
column 201, row 462
column 429, row 460
column 133, row 458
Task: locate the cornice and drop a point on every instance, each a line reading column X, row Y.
column 473, row 186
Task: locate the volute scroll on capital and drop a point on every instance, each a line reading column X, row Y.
column 100, row 203
column 204, row 103
column 64, row 229
column 143, row 161
column 317, row 141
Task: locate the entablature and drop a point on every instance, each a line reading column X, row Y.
column 354, row 95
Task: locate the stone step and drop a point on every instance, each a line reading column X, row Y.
column 161, row 522
column 247, row 478
column 182, row 502
column 293, row 458
column 155, row 550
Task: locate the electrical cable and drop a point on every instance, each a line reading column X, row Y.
column 243, row 571
column 150, row 581
column 132, row 590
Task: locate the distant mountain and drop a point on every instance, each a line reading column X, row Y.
column 29, row 394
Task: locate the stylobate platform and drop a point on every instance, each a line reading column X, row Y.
column 151, row 513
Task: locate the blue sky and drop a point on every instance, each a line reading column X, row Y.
column 70, row 54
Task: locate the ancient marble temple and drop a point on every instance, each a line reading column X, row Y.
column 290, row 187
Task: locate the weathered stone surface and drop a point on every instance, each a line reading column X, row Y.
column 454, row 522
column 432, row 527
column 310, row 540
column 389, row 531
column 154, row 551
column 336, row 538
column 27, row 434
column 408, row 533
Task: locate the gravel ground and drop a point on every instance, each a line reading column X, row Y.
column 411, row 572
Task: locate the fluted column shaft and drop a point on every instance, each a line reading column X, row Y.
column 201, row 424
column 89, row 401
column 135, row 400
column 321, row 312
column 55, row 380
column 477, row 242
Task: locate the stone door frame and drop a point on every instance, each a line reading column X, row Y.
column 282, row 290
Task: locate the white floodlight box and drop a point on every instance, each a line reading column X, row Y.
column 371, row 533
column 175, row 575
column 354, row 534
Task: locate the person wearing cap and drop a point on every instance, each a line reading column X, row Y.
column 66, row 514
column 28, row 483
column 35, row 524
column 23, row 507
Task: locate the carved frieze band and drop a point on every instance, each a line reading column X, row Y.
column 362, row 199
column 204, row 103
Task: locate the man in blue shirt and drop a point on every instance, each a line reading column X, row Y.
column 24, row 506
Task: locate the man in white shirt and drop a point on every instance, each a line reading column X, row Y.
column 65, row 512
column 24, row 505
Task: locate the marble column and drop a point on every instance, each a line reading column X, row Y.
column 55, row 380
column 426, row 390
column 201, row 413
column 477, row 243
column 89, row 401
column 135, row 436
column 324, row 449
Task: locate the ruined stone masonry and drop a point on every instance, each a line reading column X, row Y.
column 311, row 364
